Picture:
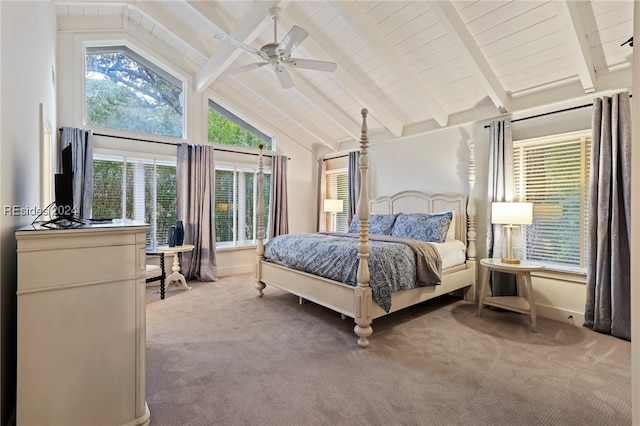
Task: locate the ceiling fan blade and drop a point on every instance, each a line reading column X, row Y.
column 246, row 68
column 285, row 79
column 294, row 37
column 241, row 45
column 311, row 64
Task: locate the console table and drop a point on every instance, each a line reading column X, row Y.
column 81, row 326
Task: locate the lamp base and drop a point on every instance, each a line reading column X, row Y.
column 511, row 261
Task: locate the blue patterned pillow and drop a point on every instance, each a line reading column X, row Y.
column 379, row 224
column 429, row 227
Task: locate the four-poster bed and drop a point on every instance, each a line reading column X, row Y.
column 357, row 301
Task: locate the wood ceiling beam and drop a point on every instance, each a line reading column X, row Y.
column 253, row 24
column 208, row 12
column 576, row 39
column 230, row 102
column 456, row 29
column 168, row 23
column 351, row 13
column 286, row 109
column 349, row 84
column 326, row 107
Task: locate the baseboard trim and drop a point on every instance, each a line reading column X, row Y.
column 562, row 315
column 233, row 270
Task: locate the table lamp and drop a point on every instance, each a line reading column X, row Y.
column 511, row 215
column 333, row 207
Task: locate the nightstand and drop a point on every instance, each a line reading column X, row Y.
column 518, row 303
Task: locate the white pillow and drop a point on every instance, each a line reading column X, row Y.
column 451, row 233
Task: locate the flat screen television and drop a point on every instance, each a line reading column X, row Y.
column 64, row 186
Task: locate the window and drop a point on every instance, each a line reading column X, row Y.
column 125, row 91
column 236, row 202
column 337, row 188
column 553, row 174
column 236, row 183
column 136, row 188
column 228, row 129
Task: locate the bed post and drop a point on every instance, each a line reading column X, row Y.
column 470, row 295
column 363, row 298
column 259, row 286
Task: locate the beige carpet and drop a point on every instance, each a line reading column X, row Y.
column 218, row 355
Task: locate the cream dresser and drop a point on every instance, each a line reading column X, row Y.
column 81, row 326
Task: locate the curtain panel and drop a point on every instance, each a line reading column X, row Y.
column 608, row 302
column 500, row 188
column 82, row 153
column 195, row 192
column 321, row 225
column 353, row 175
column 279, row 211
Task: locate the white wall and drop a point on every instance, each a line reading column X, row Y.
column 301, row 200
column 28, row 47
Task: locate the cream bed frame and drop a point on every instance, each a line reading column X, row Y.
column 357, row 302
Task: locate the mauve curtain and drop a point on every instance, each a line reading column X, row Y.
column 195, row 190
column 82, row 151
column 608, row 308
column 500, row 188
column 353, row 173
column 321, row 225
column 278, row 209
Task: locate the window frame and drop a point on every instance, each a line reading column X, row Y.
column 106, row 40
column 237, row 167
column 235, row 119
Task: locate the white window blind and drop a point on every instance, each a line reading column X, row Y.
column 337, row 188
column 235, row 205
column 136, row 188
column 553, row 173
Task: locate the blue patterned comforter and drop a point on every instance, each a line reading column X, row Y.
column 394, row 263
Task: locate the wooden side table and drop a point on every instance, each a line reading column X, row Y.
column 518, row 303
column 175, row 275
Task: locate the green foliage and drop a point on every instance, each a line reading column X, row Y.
column 123, row 94
column 227, row 132
column 108, row 195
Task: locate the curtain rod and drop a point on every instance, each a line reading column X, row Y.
column 550, row 113
column 175, row 144
column 333, row 158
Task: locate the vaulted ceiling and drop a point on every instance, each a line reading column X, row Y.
column 416, row 65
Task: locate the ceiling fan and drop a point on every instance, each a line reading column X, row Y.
column 278, row 55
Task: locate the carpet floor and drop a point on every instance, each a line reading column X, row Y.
column 219, row 355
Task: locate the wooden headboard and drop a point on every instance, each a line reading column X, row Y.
column 422, row 202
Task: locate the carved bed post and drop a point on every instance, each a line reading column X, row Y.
column 259, row 286
column 471, row 220
column 363, row 296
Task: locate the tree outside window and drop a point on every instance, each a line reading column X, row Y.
column 125, row 91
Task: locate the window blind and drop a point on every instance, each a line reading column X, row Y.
column 553, row 175
column 235, row 205
column 136, row 188
column 337, row 188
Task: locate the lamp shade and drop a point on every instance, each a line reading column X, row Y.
column 512, row 213
column 333, row 206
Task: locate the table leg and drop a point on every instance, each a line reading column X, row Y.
column 484, row 282
column 176, row 275
column 532, row 305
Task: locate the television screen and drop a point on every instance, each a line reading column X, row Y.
column 64, row 186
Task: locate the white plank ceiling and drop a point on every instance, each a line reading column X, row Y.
column 413, row 64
